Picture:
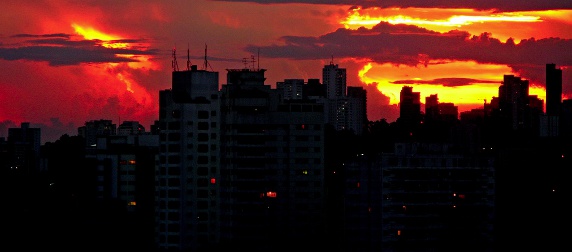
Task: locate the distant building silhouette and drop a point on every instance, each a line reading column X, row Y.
column 346, row 107
column 553, row 90
column 24, row 148
column 434, row 197
column 96, row 128
column 409, row 108
column 550, row 123
column 130, row 128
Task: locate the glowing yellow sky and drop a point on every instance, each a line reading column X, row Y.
column 443, row 20
column 383, row 75
column 111, row 41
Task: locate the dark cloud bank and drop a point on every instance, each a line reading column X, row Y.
column 505, row 5
column 410, row 45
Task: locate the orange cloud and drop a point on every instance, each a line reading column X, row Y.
column 473, row 21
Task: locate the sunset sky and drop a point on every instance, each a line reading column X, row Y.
column 63, row 63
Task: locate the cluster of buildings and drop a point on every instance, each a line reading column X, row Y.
column 300, row 166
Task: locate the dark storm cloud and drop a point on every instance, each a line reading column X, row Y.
column 447, row 82
column 53, row 35
column 59, row 49
column 413, row 46
column 505, row 5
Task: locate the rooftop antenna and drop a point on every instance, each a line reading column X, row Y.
column 332, row 61
column 174, row 63
column 206, row 62
column 245, row 62
column 252, row 60
column 188, row 59
column 258, row 60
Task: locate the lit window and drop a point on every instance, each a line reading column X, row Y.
column 132, row 162
column 398, row 232
column 271, row 194
column 305, row 172
column 131, row 203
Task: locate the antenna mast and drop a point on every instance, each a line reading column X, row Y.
column 258, row 60
column 188, row 59
column 206, row 62
column 174, row 63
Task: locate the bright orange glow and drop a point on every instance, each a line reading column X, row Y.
column 110, row 41
column 122, row 74
column 92, row 34
column 358, row 19
column 486, row 80
column 539, row 24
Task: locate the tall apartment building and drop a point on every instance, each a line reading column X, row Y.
column 409, row 108
column 553, row 90
column 24, row 149
column 238, row 167
column 334, row 78
column 513, row 99
column 346, row 107
column 188, row 166
column 551, row 122
column 272, row 166
column 357, row 109
column 435, row 199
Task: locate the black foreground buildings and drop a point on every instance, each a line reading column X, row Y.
column 297, row 167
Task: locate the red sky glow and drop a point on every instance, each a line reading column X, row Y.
column 67, row 62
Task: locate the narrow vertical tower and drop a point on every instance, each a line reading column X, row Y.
column 553, row 90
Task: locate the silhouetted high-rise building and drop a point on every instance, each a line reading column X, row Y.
column 24, row 148
column 241, row 167
column 566, row 118
column 409, row 107
column 187, row 210
column 553, row 90
column 513, row 102
column 357, row 109
column 272, row 165
column 96, row 128
column 346, row 107
column 435, row 199
column 334, row 78
column 130, row 128
column 431, row 107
